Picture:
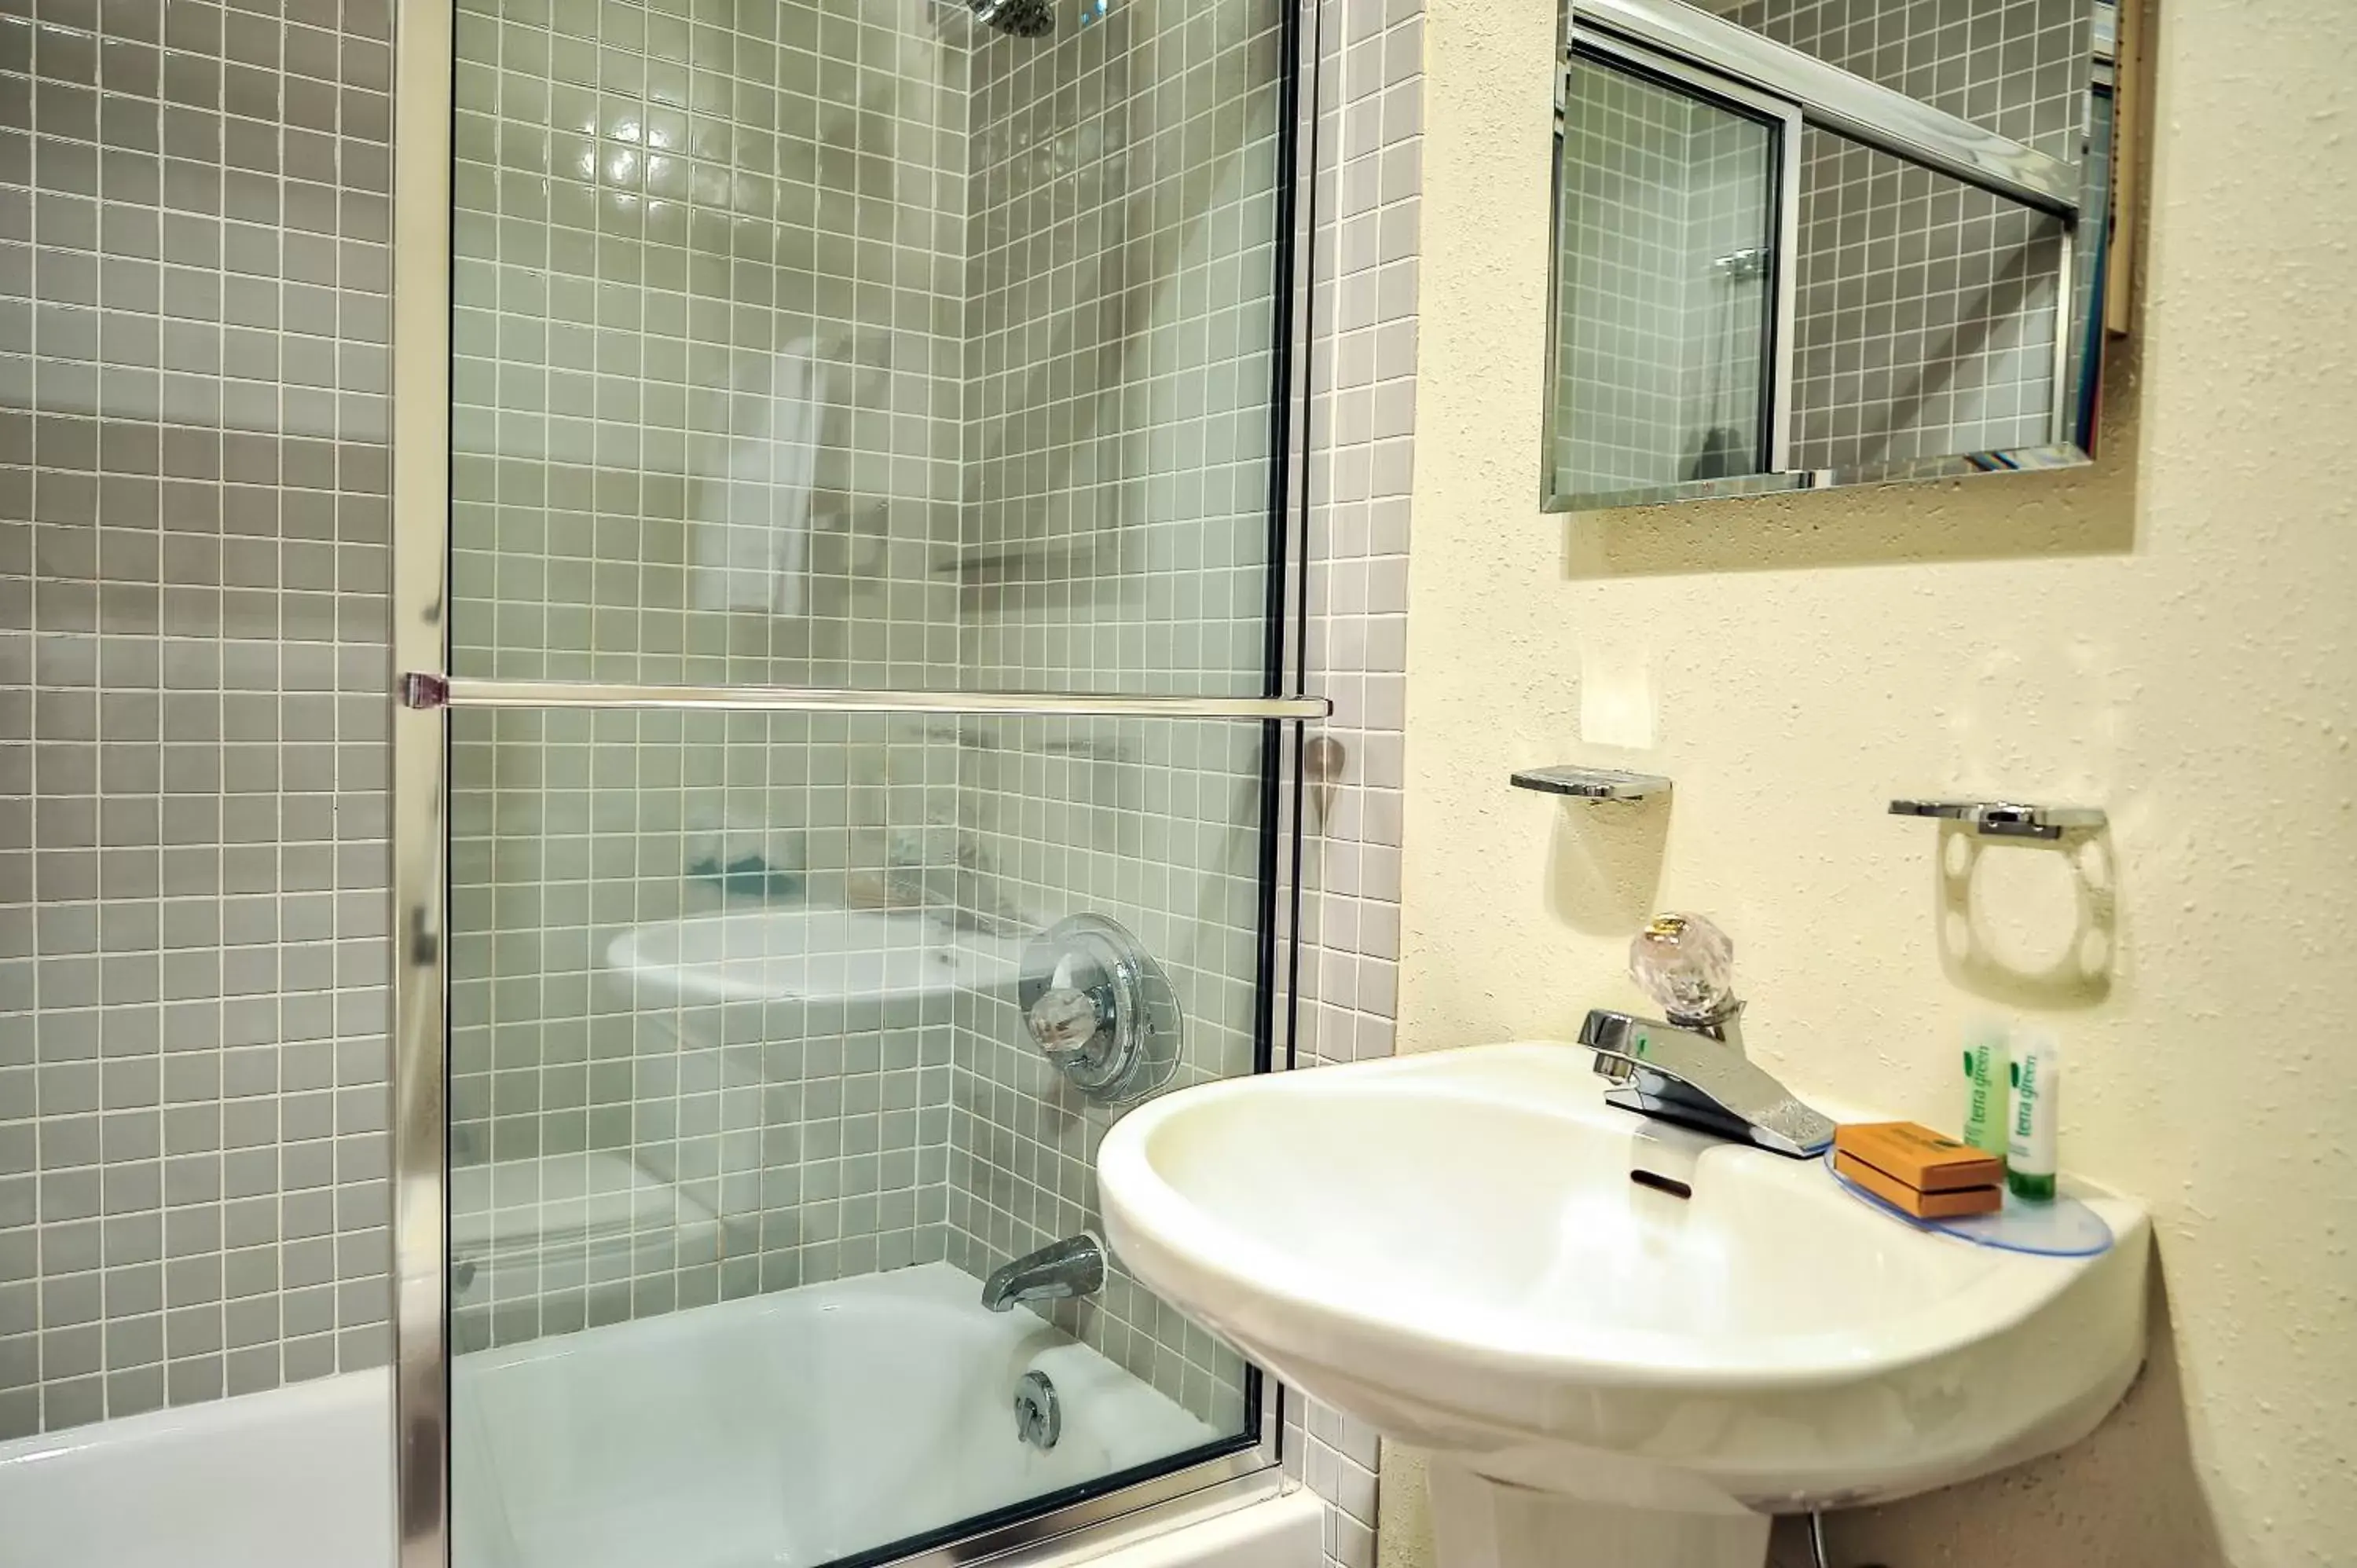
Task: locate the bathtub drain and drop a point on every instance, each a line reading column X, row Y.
column 1038, row 1413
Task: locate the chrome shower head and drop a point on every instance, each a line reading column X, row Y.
column 1019, row 18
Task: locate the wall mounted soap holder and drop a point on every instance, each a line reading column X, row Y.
column 2007, row 819
column 1591, row 783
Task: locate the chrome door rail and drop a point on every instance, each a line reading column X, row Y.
column 1844, row 103
column 420, row 690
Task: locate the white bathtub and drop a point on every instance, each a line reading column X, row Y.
column 298, row 1477
column 777, row 1432
column 783, row 1430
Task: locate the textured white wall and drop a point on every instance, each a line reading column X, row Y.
column 2170, row 635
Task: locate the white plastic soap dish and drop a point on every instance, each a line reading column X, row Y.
column 2065, row 1228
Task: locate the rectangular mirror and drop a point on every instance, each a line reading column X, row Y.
column 1801, row 243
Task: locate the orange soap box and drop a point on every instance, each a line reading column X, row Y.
column 1913, row 1168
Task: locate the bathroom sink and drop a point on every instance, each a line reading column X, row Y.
column 1606, row 1329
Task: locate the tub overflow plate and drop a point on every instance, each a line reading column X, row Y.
column 1038, row 1413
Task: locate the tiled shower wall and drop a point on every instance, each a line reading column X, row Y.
column 1124, row 268
column 1096, row 583
column 1360, row 450
column 194, row 227
column 233, row 342
column 1122, row 264
column 709, row 273
column 620, row 1152
column 1155, row 825
column 1112, row 300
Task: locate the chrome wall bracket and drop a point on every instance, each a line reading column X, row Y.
column 2007, row 819
column 422, row 691
column 1591, row 783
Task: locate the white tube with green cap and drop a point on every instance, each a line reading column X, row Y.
column 1987, row 1056
column 2029, row 1154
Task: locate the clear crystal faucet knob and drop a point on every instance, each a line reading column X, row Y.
column 1686, row 964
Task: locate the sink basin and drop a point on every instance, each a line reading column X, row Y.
column 1472, row 1252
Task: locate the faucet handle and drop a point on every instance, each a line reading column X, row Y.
column 1687, row 965
column 1065, row 1019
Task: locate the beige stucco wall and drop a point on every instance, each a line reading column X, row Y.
column 2172, row 635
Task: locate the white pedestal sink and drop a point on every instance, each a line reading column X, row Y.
column 1470, row 1251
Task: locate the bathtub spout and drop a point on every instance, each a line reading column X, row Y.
column 1073, row 1266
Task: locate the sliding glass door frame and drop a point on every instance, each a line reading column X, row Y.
column 1783, row 117
column 423, row 693
column 424, row 65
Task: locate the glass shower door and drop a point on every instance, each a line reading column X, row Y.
column 733, row 1154
column 861, row 571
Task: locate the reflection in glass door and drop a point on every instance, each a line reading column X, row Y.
column 860, row 562
column 735, row 1149
column 1670, row 253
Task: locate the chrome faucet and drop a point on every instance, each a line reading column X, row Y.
column 1073, row 1266
column 1691, row 1068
